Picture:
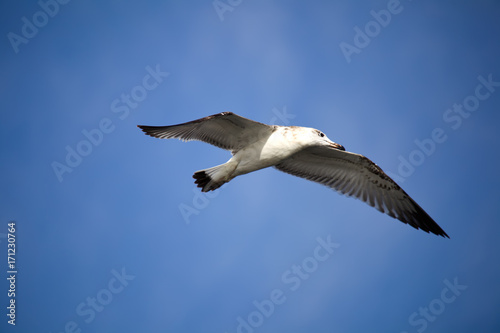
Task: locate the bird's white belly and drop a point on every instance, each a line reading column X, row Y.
column 263, row 154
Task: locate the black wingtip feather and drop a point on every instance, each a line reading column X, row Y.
column 145, row 129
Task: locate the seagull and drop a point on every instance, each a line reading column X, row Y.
column 299, row 151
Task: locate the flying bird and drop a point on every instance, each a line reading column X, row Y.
column 300, row 151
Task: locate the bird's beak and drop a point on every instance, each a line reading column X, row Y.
column 337, row 146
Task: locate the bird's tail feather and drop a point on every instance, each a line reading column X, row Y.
column 213, row 178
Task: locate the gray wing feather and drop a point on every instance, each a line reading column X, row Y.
column 225, row 130
column 357, row 176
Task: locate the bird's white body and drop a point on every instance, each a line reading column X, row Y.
column 266, row 152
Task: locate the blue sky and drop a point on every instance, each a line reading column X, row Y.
column 102, row 243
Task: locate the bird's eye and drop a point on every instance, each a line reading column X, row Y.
column 321, row 134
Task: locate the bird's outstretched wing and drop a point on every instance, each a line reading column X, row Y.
column 355, row 175
column 225, row 130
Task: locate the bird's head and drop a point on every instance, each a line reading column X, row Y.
column 319, row 138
